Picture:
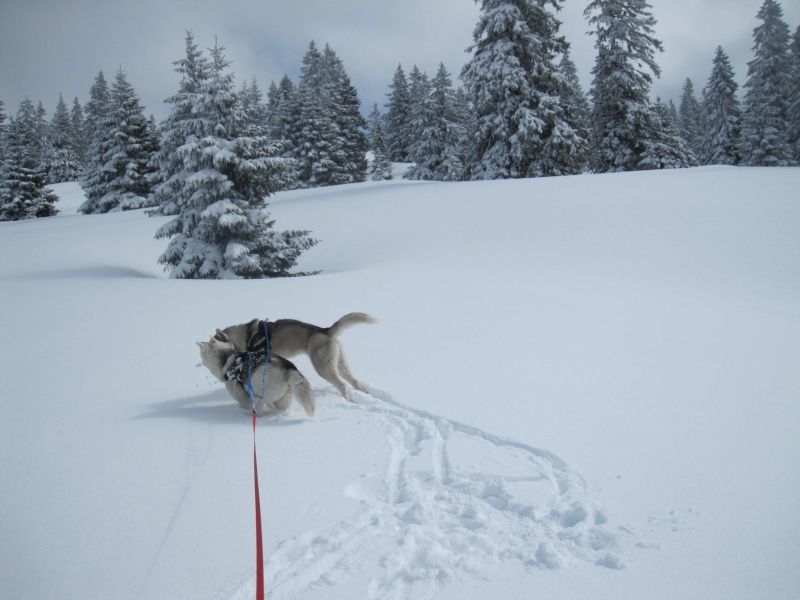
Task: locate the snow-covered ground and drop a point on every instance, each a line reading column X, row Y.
column 581, row 387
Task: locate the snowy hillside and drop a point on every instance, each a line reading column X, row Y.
column 581, row 387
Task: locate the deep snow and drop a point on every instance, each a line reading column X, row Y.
column 582, row 387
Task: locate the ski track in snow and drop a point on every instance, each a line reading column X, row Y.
column 452, row 501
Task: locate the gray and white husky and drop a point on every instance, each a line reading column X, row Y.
column 289, row 338
column 235, row 369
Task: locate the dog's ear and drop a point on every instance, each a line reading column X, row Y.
column 221, row 336
column 201, row 344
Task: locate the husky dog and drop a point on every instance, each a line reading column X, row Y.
column 283, row 380
column 289, row 338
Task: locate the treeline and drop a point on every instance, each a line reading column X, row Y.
column 521, row 112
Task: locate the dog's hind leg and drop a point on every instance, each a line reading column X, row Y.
column 325, row 359
column 344, row 370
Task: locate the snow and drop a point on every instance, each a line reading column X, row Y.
column 581, row 387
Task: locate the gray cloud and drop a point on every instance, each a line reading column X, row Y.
column 49, row 47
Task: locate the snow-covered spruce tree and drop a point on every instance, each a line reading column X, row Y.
column 690, row 117
column 720, row 140
column 125, row 148
column 577, row 105
column 184, row 125
column 381, row 167
column 349, row 120
column 666, row 148
column 78, row 134
column 626, row 126
column 794, row 95
column 61, row 156
column 522, row 127
column 94, row 180
column 282, row 110
column 438, row 129
column 3, row 118
column 23, row 176
column 398, row 117
column 764, row 140
column 328, row 140
column 223, row 229
column 254, row 106
column 316, row 143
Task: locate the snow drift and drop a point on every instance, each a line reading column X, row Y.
column 581, row 387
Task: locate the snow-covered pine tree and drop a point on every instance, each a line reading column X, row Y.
column 3, row 118
column 522, row 128
column 218, row 182
column 690, row 118
column 23, row 176
column 623, row 118
column 719, row 144
column 61, row 157
column 665, row 148
column 184, row 125
column 398, row 117
column 764, row 140
column 316, row 143
column 94, row 180
column 381, row 167
column 794, row 95
column 349, row 120
column 254, row 106
column 327, row 138
column 438, row 128
column 579, row 110
column 451, row 118
column 78, row 134
column 283, row 110
column 125, row 147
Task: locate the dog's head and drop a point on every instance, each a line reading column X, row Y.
column 215, row 353
column 239, row 335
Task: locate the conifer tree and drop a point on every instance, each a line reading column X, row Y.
column 283, row 110
column 794, row 96
column 439, row 130
column 78, row 134
column 626, row 125
column 184, row 125
column 23, row 177
column 398, row 117
column 62, row 161
column 125, row 147
column 94, row 179
column 328, row 139
column 3, row 118
column 764, row 137
column 720, row 139
column 690, row 121
column 577, row 105
column 349, row 121
column 665, row 148
column 381, row 167
column 522, row 127
column 218, row 180
column 315, row 136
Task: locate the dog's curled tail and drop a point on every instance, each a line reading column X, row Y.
column 355, row 318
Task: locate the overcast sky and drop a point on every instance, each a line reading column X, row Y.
column 49, row 47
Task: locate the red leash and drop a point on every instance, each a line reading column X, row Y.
column 259, row 542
